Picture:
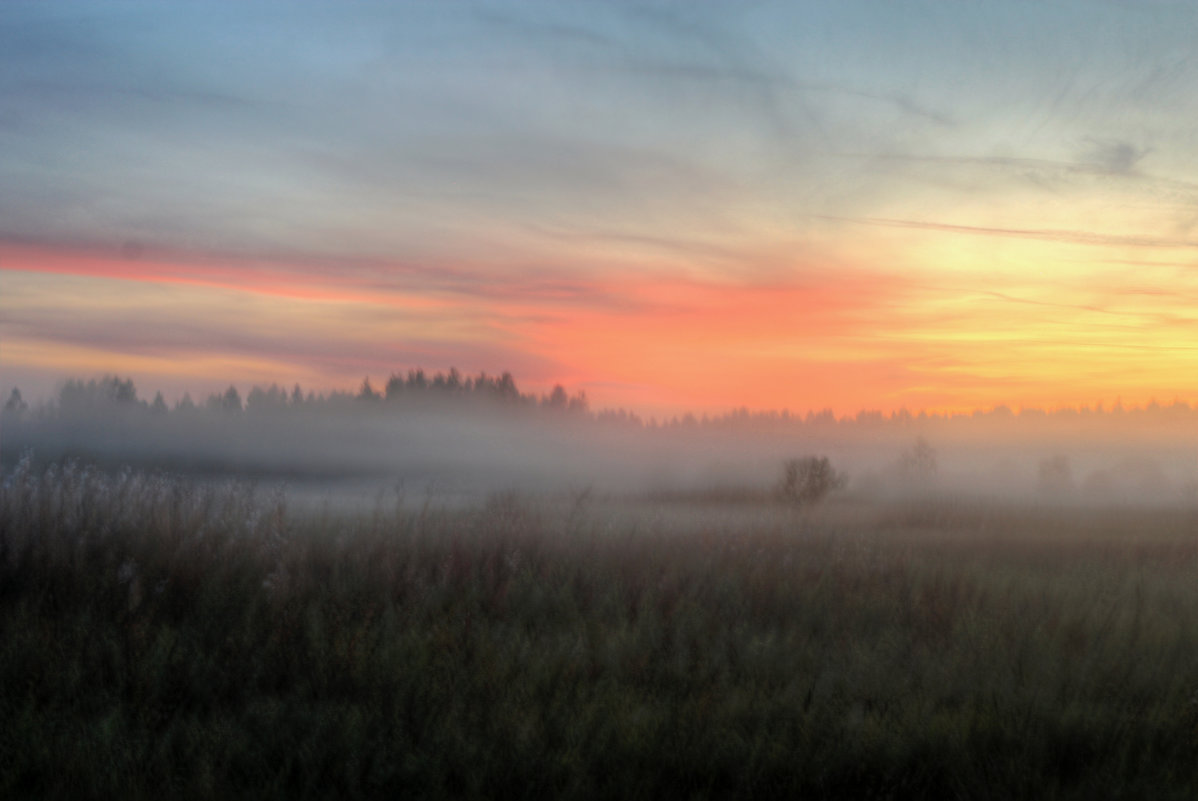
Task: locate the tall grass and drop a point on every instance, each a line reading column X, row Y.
column 162, row 637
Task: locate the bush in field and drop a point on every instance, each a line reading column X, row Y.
column 1055, row 476
column 918, row 464
column 808, row 480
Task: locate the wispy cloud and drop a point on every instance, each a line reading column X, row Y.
column 1114, row 156
column 1047, row 235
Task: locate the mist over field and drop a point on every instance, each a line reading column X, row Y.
column 451, row 588
column 433, row 441
column 678, row 624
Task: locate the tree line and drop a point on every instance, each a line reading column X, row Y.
column 449, row 390
column 113, row 393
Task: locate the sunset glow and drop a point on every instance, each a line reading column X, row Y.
column 673, row 208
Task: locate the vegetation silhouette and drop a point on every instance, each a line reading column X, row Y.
column 478, row 429
column 418, row 387
column 808, row 480
column 198, row 639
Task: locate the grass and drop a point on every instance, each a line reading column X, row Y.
column 167, row 638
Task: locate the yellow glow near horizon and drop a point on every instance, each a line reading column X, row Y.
column 940, row 338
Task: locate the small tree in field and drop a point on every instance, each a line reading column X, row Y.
column 16, row 405
column 917, row 465
column 808, row 480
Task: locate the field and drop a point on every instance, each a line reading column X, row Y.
column 166, row 638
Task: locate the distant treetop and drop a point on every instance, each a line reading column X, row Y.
column 452, row 389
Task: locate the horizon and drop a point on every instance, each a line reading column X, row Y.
column 674, row 209
column 146, row 394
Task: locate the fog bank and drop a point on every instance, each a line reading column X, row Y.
column 460, row 446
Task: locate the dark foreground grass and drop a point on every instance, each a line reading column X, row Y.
column 163, row 639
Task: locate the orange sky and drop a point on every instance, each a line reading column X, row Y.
column 659, row 343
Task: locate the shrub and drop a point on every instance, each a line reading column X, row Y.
column 808, row 480
column 918, row 464
column 1055, row 476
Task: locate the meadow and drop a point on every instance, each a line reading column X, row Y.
column 165, row 637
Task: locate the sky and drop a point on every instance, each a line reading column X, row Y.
column 669, row 206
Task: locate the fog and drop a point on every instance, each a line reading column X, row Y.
column 457, row 447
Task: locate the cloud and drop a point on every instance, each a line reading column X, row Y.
column 298, row 340
column 540, row 326
column 1047, row 235
column 1114, row 156
column 1085, row 307
column 1117, row 159
column 537, row 30
column 366, row 282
